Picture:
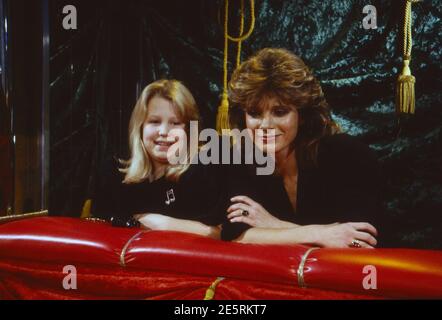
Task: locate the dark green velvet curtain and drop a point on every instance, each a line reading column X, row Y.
column 120, row 46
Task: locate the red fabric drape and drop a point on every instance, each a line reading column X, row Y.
column 30, row 280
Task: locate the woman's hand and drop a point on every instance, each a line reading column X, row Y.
column 252, row 213
column 342, row 235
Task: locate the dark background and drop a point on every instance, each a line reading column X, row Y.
column 97, row 72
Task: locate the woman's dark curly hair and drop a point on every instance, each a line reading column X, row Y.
column 281, row 74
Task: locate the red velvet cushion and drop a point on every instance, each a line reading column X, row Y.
column 63, row 241
column 66, row 240
column 187, row 253
column 401, row 273
column 35, row 280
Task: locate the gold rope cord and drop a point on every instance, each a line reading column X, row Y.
column 300, row 272
column 29, row 215
column 126, row 246
column 222, row 118
column 405, row 94
column 210, row 292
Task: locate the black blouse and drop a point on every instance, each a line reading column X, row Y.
column 195, row 196
column 344, row 187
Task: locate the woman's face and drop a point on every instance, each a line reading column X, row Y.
column 162, row 128
column 278, row 123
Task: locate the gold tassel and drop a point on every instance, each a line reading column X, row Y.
column 86, row 211
column 222, row 118
column 210, row 292
column 405, row 97
column 405, row 101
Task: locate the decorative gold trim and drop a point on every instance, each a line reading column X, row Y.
column 301, row 281
column 94, row 219
column 16, row 217
column 210, row 292
column 123, row 252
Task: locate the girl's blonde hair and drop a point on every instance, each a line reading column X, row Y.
column 139, row 167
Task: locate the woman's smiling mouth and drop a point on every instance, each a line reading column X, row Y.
column 268, row 138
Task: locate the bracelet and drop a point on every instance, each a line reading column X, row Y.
column 125, row 223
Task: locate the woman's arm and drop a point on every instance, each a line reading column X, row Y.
column 156, row 221
column 337, row 235
column 266, row 228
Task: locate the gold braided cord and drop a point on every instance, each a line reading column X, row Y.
column 210, row 292
column 226, row 44
column 222, row 119
column 126, row 246
column 252, row 25
column 405, row 95
column 300, row 271
column 242, row 37
column 241, row 30
column 407, row 30
column 29, row 215
column 408, row 41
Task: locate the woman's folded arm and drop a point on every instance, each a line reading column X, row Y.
column 336, row 235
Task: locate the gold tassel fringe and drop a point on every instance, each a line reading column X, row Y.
column 210, row 292
column 86, row 211
column 405, row 99
column 222, row 118
column 405, row 96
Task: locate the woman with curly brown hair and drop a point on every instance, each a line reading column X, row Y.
column 324, row 180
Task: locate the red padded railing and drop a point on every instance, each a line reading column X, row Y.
column 400, row 273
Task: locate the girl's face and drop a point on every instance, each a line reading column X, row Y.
column 162, row 128
column 278, row 123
